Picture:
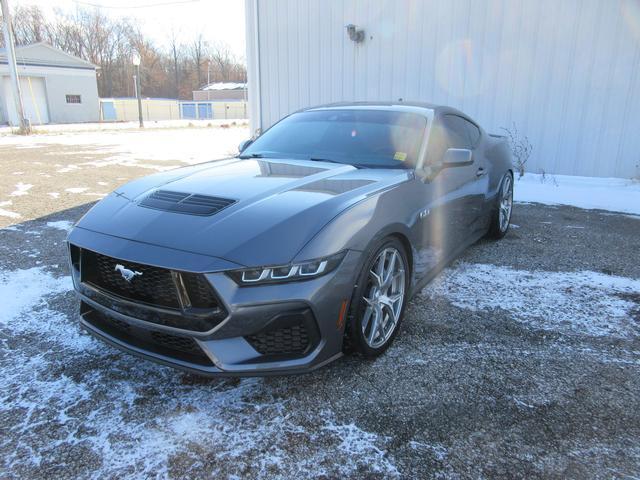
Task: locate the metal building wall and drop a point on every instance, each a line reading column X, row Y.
column 565, row 72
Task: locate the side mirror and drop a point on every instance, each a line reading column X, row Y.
column 243, row 145
column 457, row 157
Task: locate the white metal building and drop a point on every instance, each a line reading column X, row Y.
column 56, row 87
column 566, row 73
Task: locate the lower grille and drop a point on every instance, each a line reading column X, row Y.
column 184, row 344
column 286, row 340
column 176, row 346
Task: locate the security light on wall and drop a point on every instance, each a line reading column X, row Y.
column 355, row 34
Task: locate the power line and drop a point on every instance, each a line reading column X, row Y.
column 148, row 5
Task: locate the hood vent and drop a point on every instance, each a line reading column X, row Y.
column 187, row 203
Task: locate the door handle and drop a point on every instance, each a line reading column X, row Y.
column 481, row 171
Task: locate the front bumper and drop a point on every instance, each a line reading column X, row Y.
column 268, row 330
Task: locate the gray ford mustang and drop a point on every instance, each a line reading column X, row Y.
column 308, row 244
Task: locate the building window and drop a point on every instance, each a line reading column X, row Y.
column 74, row 99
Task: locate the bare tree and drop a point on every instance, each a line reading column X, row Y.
column 109, row 43
column 30, row 25
column 520, row 148
column 175, row 50
column 226, row 66
column 198, row 51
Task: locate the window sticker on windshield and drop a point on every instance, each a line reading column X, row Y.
column 400, row 156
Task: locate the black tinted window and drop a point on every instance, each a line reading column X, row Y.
column 473, row 132
column 457, row 133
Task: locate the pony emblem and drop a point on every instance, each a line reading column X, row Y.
column 127, row 274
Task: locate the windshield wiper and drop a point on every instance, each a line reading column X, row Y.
column 252, row 155
column 316, row 159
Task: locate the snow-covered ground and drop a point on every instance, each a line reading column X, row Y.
column 72, row 167
column 613, row 194
column 64, row 128
column 134, row 147
column 239, row 426
column 583, row 302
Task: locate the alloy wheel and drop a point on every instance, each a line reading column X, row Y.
column 384, row 297
column 506, row 202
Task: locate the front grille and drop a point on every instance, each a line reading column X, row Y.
column 286, row 340
column 150, row 285
column 179, row 202
column 200, row 293
column 152, row 292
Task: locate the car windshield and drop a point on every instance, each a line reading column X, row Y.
column 366, row 138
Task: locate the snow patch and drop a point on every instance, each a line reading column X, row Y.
column 76, row 189
column 132, row 147
column 64, row 225
column 613, row 194
column 582, row 302
column 20, row 290
column 7, row 213
column 21, row 189
column 359, row 444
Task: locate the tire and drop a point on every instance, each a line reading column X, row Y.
column 499, row 225
column 373, row 301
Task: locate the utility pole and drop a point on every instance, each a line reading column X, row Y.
column 25, row 126
column 136, row 62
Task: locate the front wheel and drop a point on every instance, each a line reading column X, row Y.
column 379, row 299
column 501, row 215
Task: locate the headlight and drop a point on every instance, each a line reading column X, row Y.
column 287, row 273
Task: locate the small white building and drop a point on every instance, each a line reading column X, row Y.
column 566, row 73
column 221, row 91
column 56, row 87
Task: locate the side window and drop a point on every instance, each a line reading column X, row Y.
column 473, row 132
column 457, row 131
column 451, row 131
column 466, row 133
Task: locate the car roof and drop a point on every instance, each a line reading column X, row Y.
column 390, row 105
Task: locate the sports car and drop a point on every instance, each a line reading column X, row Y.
column 306, row 245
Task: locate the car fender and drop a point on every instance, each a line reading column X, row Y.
column 363, row 224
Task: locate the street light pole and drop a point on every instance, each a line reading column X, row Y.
column 136, row 62
column 25, row 127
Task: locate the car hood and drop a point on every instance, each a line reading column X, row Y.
column 279, row 205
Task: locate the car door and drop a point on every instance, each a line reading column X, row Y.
column 477, row 178
column 453, row 198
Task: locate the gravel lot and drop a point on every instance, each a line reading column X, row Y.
column 522, row 360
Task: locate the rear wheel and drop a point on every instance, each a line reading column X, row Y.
column 501, row 216
column 379, row 299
